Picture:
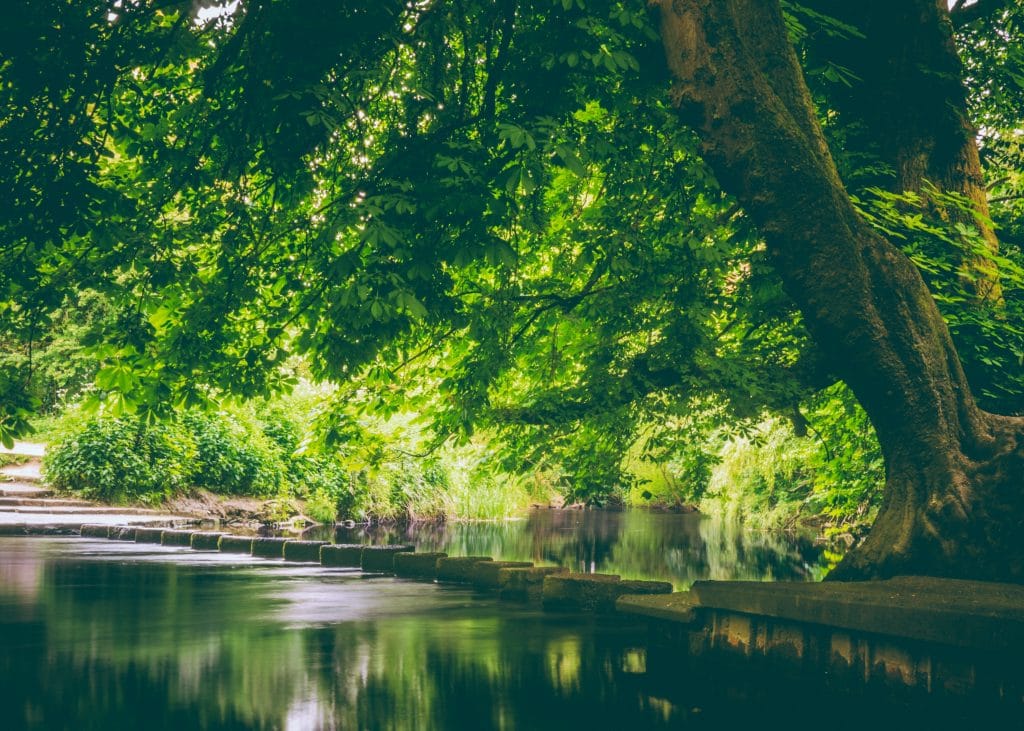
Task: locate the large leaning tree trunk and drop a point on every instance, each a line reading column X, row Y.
column 954, row 498
column 908, row 106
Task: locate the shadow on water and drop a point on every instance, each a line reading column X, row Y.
column 637, row 544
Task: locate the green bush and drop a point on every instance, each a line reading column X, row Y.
column 231, row 458
column 119, row 459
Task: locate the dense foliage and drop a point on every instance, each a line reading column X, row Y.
column 486, row 215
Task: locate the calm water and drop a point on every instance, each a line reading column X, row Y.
column 636, row 544
column 102, row 634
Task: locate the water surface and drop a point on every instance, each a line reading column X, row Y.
column 637, row 544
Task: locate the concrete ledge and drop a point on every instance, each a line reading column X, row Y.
column 679, row 607
column 206, row 541
column 121, row 532
column 342, row 555
column 458, row 568
column 177, row 538
column 303, row 550
column 418, row 565
column 971, row 614
column 94, row 531
column 235, row 544
column 484, row 574
column 149, row 535
column 382, row 558
column 268, row 547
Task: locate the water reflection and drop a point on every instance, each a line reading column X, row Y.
column 129, row 636
column 636, row 544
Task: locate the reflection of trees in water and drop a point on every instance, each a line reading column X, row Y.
column 493, row 673
column 162, row 645
column 636, row 544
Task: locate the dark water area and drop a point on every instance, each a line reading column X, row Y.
column 98, row 634
column 636, row 544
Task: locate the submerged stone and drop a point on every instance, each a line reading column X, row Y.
column 268, row 547
column 235, row 544
column 418, row 565
column 342, row 555
column 485, row 573
column 149, row 535
column 523, row 584
column 458, row 568
column 382, row 558
column 303, row 550
column 177, row 537
column 94, row 531
column 206, row 541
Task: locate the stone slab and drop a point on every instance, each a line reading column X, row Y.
column 308, row 551
column 235, row 544
column 94, row 531
column 268, row 547
column 484, row 574
column 418, row 565
column 458, row 568
column 177, row 538
column 121, row 532
column 342, row 555
column 382, row 558
column 523, row 584
column 971, row 614
column 39, row 529
column 582, row 592
column 678, row 607
column 149, row 535
column 205, row 541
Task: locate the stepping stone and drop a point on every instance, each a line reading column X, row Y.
column 525, row 584
column 342, row 555
column 458, row 568
column 418, row 565
column 381, row 559
column 484, row 574
column 303, row 550
column 94, row 531
column 202, row 541
column 268, row 547
column 149, row 535
column 177, row 538
column 235, row 544
column 121, row 532
column 594, row 592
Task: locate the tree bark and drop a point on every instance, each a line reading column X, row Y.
column 954, row 503
column 908, row 106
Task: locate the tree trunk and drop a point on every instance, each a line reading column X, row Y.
column 954, row 502
column 908, row 107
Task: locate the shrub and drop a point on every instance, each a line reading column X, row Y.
column 321, row 506
column 118, row 459
column 231, row 458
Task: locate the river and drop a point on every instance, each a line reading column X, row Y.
column 104, row 634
